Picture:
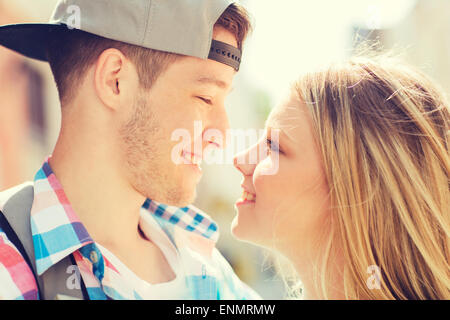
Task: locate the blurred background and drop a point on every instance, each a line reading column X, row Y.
column 290, row 37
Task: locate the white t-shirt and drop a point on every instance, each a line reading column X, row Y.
column 171, row 290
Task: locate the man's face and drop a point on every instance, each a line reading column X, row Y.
column 190, row 90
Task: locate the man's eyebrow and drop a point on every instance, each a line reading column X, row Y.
column 207, row 80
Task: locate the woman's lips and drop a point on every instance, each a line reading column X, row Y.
column 246, row 198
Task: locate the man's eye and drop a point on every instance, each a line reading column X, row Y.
column 205, row 100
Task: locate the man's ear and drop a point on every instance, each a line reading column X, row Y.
column 107, row 77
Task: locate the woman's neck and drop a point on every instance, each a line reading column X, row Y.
column 312, row 275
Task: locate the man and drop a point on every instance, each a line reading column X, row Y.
column 109, row 197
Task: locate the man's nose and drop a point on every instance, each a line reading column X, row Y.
column 220, row 122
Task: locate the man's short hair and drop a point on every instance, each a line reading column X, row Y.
column 72, row 52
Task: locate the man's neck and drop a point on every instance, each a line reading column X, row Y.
column 107, row 206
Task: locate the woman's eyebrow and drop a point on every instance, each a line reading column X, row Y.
column 281, row 135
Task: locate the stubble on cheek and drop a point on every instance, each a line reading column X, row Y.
column 139, row 146
column 149, row 170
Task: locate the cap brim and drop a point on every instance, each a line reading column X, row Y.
column 29, row 39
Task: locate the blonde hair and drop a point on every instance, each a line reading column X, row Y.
column 382, row 128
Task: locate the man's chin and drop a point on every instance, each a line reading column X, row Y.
column 186, row 201
column 178, row 199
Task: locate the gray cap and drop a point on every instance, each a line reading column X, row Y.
column 178, row 26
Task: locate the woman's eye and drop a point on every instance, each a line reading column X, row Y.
column 205, row 100
column 272, row 146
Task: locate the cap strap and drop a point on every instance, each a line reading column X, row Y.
column 226, row 54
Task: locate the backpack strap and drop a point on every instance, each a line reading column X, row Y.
column 12, row 236
column 17, row 204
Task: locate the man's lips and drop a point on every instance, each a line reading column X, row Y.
column 191, row 158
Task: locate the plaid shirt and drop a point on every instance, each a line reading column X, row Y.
column 57, row 232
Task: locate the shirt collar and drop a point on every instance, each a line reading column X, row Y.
column 57, row 231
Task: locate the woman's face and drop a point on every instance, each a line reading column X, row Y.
column 287, row 195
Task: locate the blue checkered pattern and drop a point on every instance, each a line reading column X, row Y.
column 189, row 218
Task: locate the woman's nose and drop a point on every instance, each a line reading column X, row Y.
column 244, row 162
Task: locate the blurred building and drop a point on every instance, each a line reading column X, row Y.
column 421, row 37
column 425, row 33
column 27, row 104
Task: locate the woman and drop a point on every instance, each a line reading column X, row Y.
column 360, row 202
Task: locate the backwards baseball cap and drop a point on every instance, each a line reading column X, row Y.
column 178, row 26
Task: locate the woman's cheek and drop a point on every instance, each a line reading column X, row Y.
column 266, row 186
column 270, row 165
column 260, row 178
